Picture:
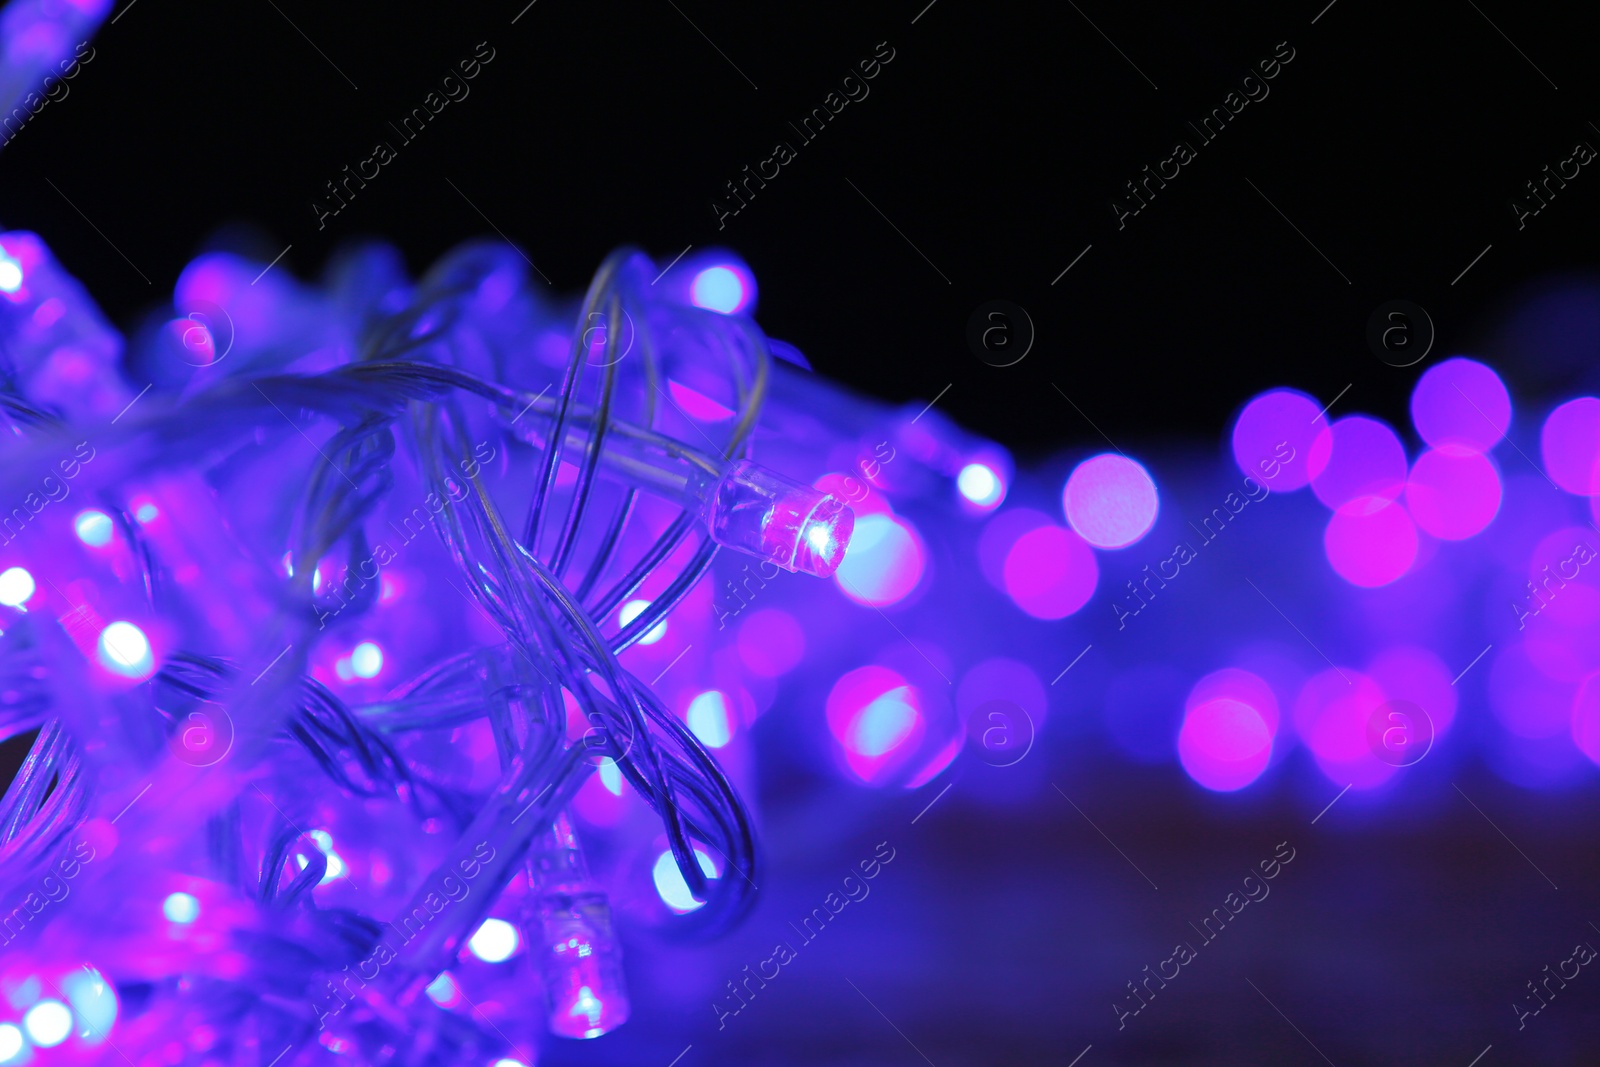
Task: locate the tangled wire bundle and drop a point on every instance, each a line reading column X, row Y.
column 206, row 845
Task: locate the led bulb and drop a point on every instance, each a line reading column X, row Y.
column 581, row 962
column 762, row 513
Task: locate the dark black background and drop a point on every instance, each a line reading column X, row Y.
column 995, row 141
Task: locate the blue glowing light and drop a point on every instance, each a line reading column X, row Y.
column 981, row 485
column 366, row 660
column 16, row 586
column 631, row 610
column 708, row 718
column 181, row 908
column 125, row 650
column 718, row 289
column 670, row 885
column 93, row 528
column 1110, row 500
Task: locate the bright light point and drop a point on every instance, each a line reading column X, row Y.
column 10, row 1041
column 16, row 586
column 670, row 885
column 443, row 991
column 124, row 649
column 94, row 528
column 708, row 718
column 181, row 908
column 366, row 660
column 819, row 536
column 1110, row 501
column 10, row 274
column 48, row 1023
column 147, row 513
column 587, row 1006
column 611, row 776
column 980, row 485
column 495, row 941
column 882, row 563
column 509, row 1063
column 631, row 610
column 715, row 289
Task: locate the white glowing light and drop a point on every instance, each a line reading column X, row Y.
column 93, row 528
column 48, row 1023
column 10, row 274
column 10, row 1042
column 670, row 885
column 631, row 611
column 366, row 660
column 181, row 908
column 336, row 868
column 979, row 484
column 495, row 941
column 16, row 586
column 126, row 650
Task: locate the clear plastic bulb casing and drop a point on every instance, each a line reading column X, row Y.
column 579, row 956
column 758, row 511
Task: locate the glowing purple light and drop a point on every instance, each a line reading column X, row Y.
column 1461, row 402
column 1000, row 533
column 1050, row 573
column 1356, row 457
column 1331, row 715
column 1110, row 501
column 1528, row 703
column 1405, row 672
column 722, row 289
column 1453, row 492
column 1586, row 717
column 771, row 643
column 1224, row 744
column 883, row 562
column 1272, row 439
column 1570, row 445
column 1370, row 541
column 1241, row 686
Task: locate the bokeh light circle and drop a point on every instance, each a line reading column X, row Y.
column 1461, row 402
column 1110, row 500
column 1570, row 445
column 1357, row 457
column 1224, row 744
column 1453, row 492
column 883, row 562
column 1272, row 439
column 1050, row 573
column 1370, row 541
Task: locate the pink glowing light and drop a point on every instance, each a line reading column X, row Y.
column 1370, row 541
column 1570, row 445
column 1241, row 686
column 1461, row 402
column 1406, row 672
column 1586, row 717
column 1331, row 715
column 696, row 404
column 1110, row 501
column 999, row 534
column 1453, row 492
column 1050, row 572
column 1357, row 457
column 1224, row 744
column 1272, row 439
column 883, row 562
column 876, row 718
column 771, row 643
